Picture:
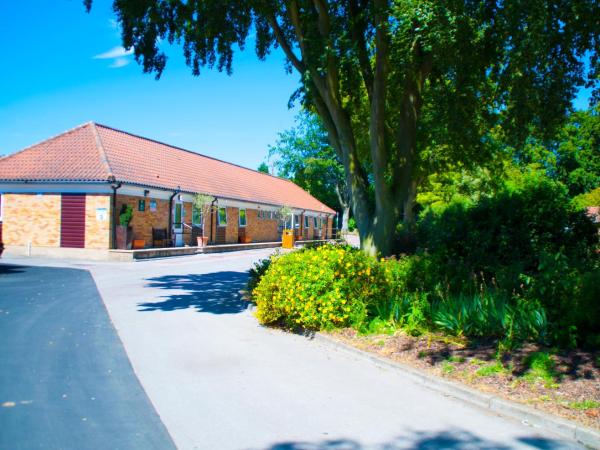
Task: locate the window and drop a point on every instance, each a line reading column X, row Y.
column 142, row 205
column 306, row 225
column 222, row 217
column 315, row 223
column 196, row 216
column 178, row 215
column 242, row 217
column 296, row 221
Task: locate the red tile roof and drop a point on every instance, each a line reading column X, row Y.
column 94, row 152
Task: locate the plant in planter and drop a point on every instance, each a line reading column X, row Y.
column 202, row 203
column 284, row 213
column 124, row 231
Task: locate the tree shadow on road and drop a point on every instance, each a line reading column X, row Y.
column 215, row 293
column 6, row 269
column 422, row 440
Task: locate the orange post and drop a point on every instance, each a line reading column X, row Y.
column 287, row 239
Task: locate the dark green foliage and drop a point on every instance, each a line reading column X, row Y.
column 263, row 167
column 256, row 273
column 529, row 244
column 125, row 215
column 404, row 88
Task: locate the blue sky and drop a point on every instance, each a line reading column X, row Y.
column 61, row 68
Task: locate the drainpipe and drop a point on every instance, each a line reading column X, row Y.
column 114, row 187
column 170, row 229
column 212, row 215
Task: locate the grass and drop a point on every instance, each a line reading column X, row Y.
column 476, row 362
column 422, row 354
column 491, row 370
column 448, row 368
column 585, row 404
column 541, row 367
column 456, row 359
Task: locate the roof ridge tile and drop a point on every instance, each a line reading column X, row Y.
column 103, row 156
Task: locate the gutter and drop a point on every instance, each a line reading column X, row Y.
column 170, row 229
column 114, row 186
column 212, row 214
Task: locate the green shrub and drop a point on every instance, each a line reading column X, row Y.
column 530, row 246
column 320, row 288
column 257, row 271
column 351, row 224
column 125, row 215
column 490, row 314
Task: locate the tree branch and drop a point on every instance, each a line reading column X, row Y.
column 283, row 43
column 358, row 30
column 377, row 128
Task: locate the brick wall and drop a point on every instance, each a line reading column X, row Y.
column 230, row 234
column 261, row 230
column 36, row 218
column 97, row 232
column 142, row 222
column 31, row 218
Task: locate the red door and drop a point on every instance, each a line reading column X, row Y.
column 72, row 220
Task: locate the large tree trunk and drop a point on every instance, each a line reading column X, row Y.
column 380, row 208
column 345, row 217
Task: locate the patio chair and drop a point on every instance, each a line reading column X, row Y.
column 160, row 236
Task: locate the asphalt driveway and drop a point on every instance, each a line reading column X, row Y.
column 65, row 380
column 221, row 381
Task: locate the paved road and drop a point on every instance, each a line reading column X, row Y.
column 65, row 380
column 221, row 381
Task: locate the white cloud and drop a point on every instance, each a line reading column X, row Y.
column 116, row 52
column 118, row 55
column 119, row 62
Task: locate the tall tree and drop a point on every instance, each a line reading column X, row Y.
column 303, row 155
column 389, row 78
column 263, row 167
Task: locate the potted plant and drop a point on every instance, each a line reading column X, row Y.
column 202, row 203
column 124, row 231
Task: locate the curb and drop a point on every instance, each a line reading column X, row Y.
column 561, row 427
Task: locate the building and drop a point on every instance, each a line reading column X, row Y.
column 63, row 196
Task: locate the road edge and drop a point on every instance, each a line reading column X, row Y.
column 562, row 427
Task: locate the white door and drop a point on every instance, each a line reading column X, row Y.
column 178, row 222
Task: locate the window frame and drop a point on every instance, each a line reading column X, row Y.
column 219, row 222
column 306, row 222
column 240, row 217
column 195, row 212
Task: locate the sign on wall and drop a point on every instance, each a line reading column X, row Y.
column 153, row 205
column 101, row 214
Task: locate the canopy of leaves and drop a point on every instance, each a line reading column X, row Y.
column 404, row 87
